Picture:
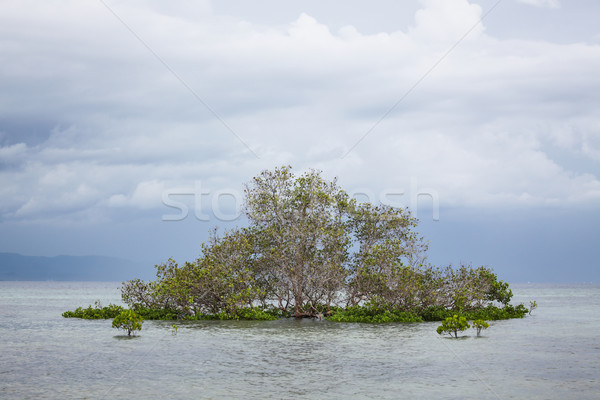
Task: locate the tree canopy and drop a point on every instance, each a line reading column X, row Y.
column 309, row 248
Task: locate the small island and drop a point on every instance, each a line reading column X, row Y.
column 312, row 251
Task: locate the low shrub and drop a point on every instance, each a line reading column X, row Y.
column 254, row 313
column 247, row 313
column 453, row 325
column 373, row 315
column 128, row 321
column 96, row 312
column 480, row 324
column 164, row 314
column 491, row 313
column 369, row 313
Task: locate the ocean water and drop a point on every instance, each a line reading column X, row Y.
column 552, row 354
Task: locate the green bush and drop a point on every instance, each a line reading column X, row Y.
column 453, row 325
column 480, row 324
column 247, row 313
column 275, row 312
column 129, row 321
column 254, row 313
column 494, row 313
column 532, row 306
column 436, row 313
column 164, row 314
column 491, row 313
column 96, row 312
column 369, row 313
column 373, row 315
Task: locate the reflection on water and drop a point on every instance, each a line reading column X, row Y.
column 551, row 355
column 125, row 337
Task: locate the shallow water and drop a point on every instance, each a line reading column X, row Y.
column 553, row 354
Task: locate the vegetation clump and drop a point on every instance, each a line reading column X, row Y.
column 489, row 312
column 480, row 324
column 453, row 325
column 96, row 312
column 369, row 314
column 129, row 321
column 310, row 250
column 532, row 306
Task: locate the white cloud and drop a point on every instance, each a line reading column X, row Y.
column 447, row 21
column 477, row 128
column 147, row 194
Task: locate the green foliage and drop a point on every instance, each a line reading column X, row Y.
column 490, row 312
column 129, row 321
column 137, row 293
column 372, row 312
column 453, row 325
column 436, row 313
column 96, row 312
column 532, row 306
column 499, row 291
column 374, row 315
column 302, row 237
column 480, row 324
column 311, row 250
column 245, row 313
column 495, row 313
column 165, row 314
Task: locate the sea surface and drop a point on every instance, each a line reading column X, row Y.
column 552, row 354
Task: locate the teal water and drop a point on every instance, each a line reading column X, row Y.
column 553, row 354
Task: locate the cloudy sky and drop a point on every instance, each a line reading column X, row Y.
column 128, row 127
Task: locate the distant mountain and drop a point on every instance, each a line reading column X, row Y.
column 16, row 267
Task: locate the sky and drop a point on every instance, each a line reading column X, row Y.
column 128, row 127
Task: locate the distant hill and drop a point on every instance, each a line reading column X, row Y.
column 16, row 267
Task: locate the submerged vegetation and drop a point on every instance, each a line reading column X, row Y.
column 458, row 323
column 479, row 325
column 129, row 321
column 532, row 306
column 96, row 312
column 310, row 250
column 452, row 325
